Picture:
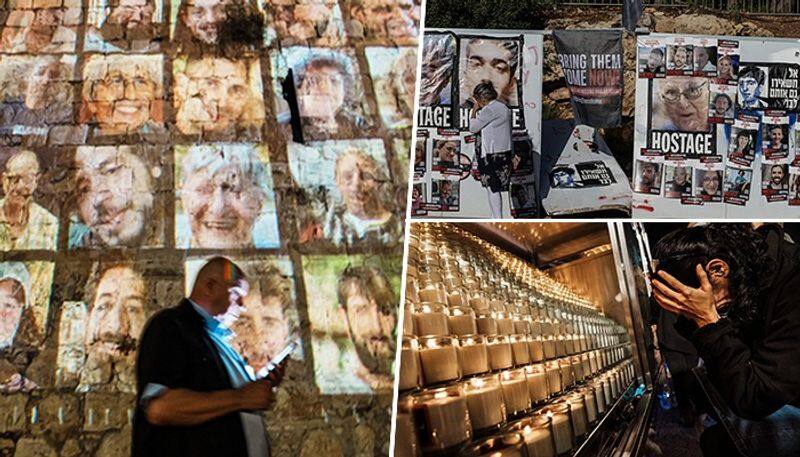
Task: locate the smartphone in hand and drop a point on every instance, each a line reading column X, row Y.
column 278, row 359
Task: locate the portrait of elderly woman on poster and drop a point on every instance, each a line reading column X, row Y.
column 225, row 197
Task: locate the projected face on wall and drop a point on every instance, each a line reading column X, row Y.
column 354, row 339
column 203, row 18
column 24, row 303
column 117, row 312
column 490, row 60
column 24, row 223
column 357, row 203
column 298, row 22
column 123, row 94
column 12, row 303
column 393, row 19
column 35, row 92
column 226, row 197
column 217, row 95
column 393, row 72
column 328, row 91
column 51, row 29
column 114, row 194
column 119, row 25
column 269, row 318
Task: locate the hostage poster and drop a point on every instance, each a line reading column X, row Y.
column 592, row 65
column 452, row 176
column 716, row 126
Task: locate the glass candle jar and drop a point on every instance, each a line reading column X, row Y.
column 537, row 432
column 577, row 412
column 567, row 377
column 461, row 321
column 577, row 368
column 439, row 359
column 431, row 319
column 519, row 349
column 553, row 377
column 521, row 324
column 457, row 297
column 587, row 370
column 406, row 442
column 515, row 391
column 595, row 367
column 561, row 346
column 486, row 323
column 537, row 382
column 408, row 319
column 445, row 422
column 505, row 323
column 432, row 292
column 507, row 445
column 609, row 398
column 549, row 347
column 487, row 410
column 590, row 401
column 600, row 397
column 410, row 375
column 499, row 352
column 535, row 349
column 473, row 356
column 563, row 436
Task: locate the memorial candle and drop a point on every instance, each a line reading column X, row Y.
column 567, row 377
column 431, row 319
column 553, row 377
column 577, row 368
column 461, row 321
column 439, row 359
column 406, row 443
column 590, row 402
column 408, row 319
column 505, row 323
column 519, row 350
column 537, row 382
column 409, row 376
column 515, row 391
column 537, row 433
column 433, row 293
column 578, row 414
column 600, row 398
column 445, row 418
column 563, row 437
column 499, row 352
column 486, row 323
column 473, row 357
column 549, row 347
column 535, row 349
column 485, row 402
column 508, row 445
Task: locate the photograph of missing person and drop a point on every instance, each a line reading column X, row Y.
column 115, row 197
column 203, row 27
column 721, row 109
column 124, row 25
column 708, row 185
column 446, row 156
column 679, row 58
column 420, row 157
column 329, row 92
column 705, row 60
column 347, row 197
column 218, row 95
column 352, row 306
column 794, row 189
column 563, row 177
column 46, row 27
column 775, row 181
column 652, row 62
column 727, row 61
column 310, row 23
column 104, row 309
column 24, row 307
column 742, row 145
column 224, row 197
column 495, row 60
column 123, row 94
column 680, row 104
column 446, row 194
column 35, row 93
column 647, row 177
column 523, row 199
column 775, row 138
column 380, row 20
column 436, row 74
column 29, row 202
column 678, row 181
column 752, row 87
column 418, row 196
column 393, row 72
column 268, row 320
column 737, row 185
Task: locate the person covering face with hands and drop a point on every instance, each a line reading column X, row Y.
column 196, row 394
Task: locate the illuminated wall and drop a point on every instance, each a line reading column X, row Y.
column 138, row 137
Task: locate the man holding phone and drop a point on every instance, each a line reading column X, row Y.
column 195, row 394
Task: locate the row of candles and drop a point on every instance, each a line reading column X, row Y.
column 519, row 412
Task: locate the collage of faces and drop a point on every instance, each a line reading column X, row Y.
column 140, row 137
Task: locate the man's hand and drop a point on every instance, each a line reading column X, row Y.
column 275, row 376
column 699, row 305
column 256, row 395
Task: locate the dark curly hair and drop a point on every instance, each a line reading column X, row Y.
column 740, row 245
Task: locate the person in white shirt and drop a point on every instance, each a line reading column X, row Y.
column 491, row 118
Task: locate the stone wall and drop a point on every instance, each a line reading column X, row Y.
column 123, row 126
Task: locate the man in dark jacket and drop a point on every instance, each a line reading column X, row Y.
column 735, row 289
column 196, row 396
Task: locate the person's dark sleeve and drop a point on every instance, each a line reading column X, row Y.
column 161, row 358
column 484, row 117
column 755, row 383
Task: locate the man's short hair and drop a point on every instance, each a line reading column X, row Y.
column 372, row 282
column 485, row 91
column 751, row 71
column 657, row 51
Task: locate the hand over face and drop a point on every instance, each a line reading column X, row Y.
column 699, row 304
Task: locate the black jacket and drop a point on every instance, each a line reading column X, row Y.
column 758, row 371
column 175, row 351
